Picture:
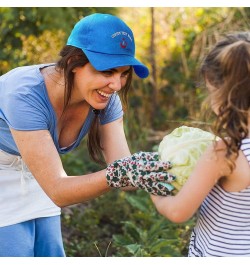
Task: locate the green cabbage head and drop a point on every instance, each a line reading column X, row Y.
column 183, row 147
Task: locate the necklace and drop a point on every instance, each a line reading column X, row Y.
column 50, row 73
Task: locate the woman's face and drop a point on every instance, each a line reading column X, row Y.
column 97, row 87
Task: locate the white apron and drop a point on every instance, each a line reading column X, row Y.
column 21, row 197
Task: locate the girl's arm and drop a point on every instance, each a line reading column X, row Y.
column 209, row 169
column 40, row 155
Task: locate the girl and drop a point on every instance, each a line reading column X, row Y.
column 220, row 182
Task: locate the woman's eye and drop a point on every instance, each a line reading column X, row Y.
column 125, row 74
column 108, row 73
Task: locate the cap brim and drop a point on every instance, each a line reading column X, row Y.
column 103, row 61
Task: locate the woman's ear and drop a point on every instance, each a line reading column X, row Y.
column 74, row 58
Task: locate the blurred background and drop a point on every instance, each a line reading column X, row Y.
column 171, row 41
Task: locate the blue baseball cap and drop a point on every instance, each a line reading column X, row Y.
column 107, row 42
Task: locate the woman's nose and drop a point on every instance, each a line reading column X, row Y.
column 115, row 83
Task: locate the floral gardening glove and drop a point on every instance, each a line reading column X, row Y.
column 142, row 170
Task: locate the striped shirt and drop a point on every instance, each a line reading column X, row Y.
column 223, row 225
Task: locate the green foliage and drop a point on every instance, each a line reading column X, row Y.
column 148, row 234
column 88, row 228
column 79, row 162
column 127, row 227
column 20, row 23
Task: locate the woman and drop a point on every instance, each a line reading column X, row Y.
column 46, row 110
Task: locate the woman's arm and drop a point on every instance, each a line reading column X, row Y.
column 113, row 141
column 40, row 155
column 209, row 169
column 112, row 134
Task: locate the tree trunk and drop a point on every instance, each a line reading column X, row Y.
column 153, row 74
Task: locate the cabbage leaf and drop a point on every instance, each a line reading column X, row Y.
column 183, row 147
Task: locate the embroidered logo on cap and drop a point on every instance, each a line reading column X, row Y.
column 123, row 43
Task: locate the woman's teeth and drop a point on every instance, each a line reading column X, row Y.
column 104, row 94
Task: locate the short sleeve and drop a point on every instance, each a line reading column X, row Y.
column 113, row 111
column 25, row 111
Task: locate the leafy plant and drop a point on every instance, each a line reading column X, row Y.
column 147, row 234
column 88, row 228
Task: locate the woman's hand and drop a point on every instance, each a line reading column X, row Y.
column 142, row 170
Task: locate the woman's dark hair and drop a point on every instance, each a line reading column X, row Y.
column 227, row 69
column 72, row 57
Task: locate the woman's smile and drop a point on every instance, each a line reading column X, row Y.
column 103, row 94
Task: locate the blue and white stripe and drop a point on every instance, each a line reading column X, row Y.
column 223, row 225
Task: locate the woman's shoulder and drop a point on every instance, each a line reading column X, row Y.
column 22, row 81
column 23, row 86
column 23, row 76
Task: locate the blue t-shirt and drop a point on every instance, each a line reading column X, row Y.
column 25, row 105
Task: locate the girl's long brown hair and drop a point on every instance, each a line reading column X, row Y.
column 227, row 68
column 72, row 57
